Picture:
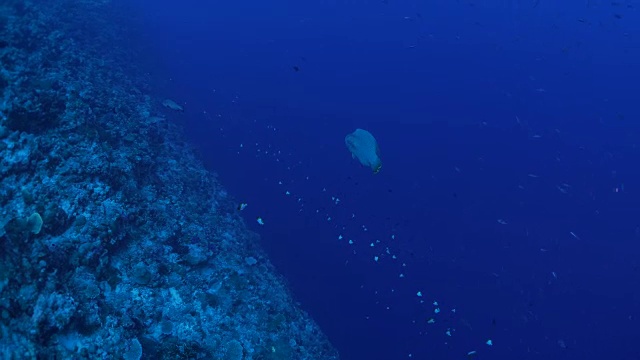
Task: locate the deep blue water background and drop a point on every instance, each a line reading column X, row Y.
column 520, row 112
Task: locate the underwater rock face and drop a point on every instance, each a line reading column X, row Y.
column 364, row 147
column 109, row 244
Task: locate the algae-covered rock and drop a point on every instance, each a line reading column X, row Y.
column 363, row 146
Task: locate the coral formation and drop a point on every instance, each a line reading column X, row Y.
column 111, row 247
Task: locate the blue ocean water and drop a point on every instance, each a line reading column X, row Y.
column 506, row 209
